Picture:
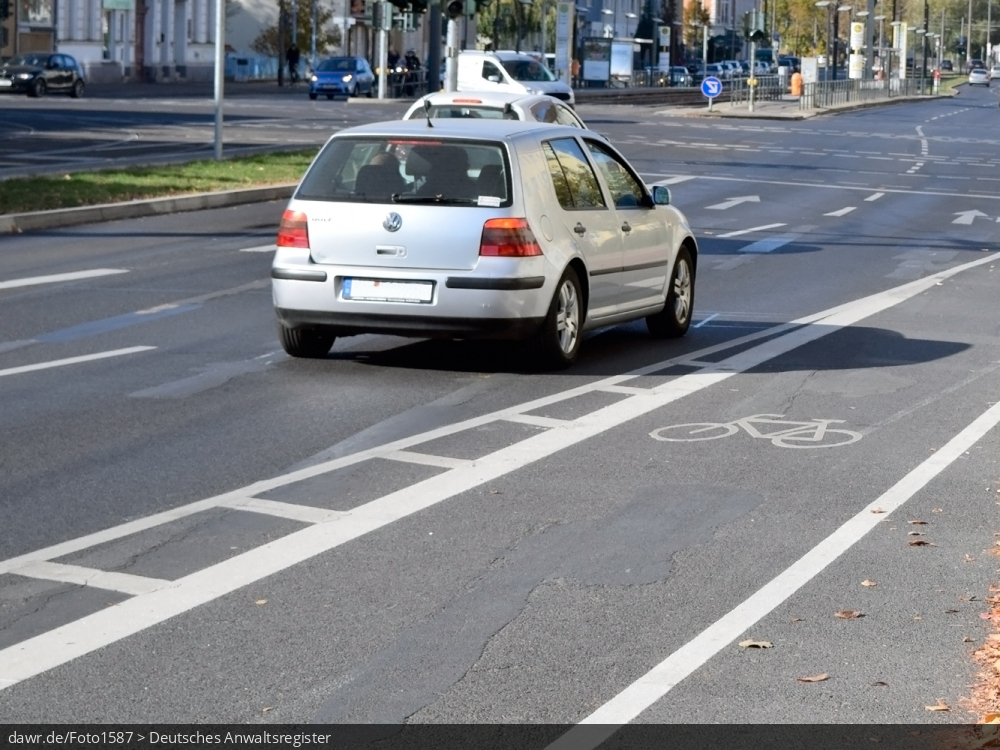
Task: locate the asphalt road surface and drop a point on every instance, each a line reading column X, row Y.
column 198, row 528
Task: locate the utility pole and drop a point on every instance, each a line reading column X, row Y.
column 434, row 48
column 927, row 28
column 384, row 22
column 220, row 70
column 968, row 41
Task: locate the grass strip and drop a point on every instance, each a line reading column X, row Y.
column 48, row 192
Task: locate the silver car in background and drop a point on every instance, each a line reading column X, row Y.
column 498, row 229
column 493, row 105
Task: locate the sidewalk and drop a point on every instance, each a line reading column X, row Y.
column 785, row 109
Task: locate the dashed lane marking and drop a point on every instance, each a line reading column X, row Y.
column 74, row 360
column 738, row 232
column 68, row 642
column 842, row 211
column 874, row 197
column 58, row 277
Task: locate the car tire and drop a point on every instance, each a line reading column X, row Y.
column 354, row 91
column 313, row 96
column 306, row 343
column 77, row 91
column 674, row 320
column 557, row 341
column 37, row 89
column 371, row 91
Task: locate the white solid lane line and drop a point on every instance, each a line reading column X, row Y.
column 73, row 360
column 68, row 642
column 656, row 683
column 676, row 180
column 56, row 277
column 841, row 211
column 738, row 232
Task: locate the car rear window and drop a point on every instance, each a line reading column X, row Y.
column 409, row 170
column 464, row 111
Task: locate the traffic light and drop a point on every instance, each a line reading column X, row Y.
column 4, row 9
column 455, row 9
column 403, row 5
column 418, row 6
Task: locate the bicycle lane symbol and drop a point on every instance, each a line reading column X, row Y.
column 815, row 433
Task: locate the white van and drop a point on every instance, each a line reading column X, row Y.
column 509, row 72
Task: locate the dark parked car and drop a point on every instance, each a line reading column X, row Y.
column 39, row 73
column 346, row 76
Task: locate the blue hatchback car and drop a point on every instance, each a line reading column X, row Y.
column 344, row 76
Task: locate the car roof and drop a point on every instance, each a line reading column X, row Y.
column 499, row 54
column 486, row 98
column 458, row 128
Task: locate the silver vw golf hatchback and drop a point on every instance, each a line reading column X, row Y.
column 463, row 229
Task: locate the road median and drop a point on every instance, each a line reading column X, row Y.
column 64, row 217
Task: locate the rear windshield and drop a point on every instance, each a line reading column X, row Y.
column 337, row 63
column 527, row 70
column 409, row 170
column 464, row 111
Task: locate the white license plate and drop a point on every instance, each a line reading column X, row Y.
column 5, row 82
column 378, row 290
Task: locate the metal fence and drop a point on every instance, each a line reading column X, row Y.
column 830, row 93
column 406, row 84
column 766, row 88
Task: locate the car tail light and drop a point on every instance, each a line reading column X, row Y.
column 293, row 230
column 508, row 238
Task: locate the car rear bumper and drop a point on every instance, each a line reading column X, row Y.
column 500, row 298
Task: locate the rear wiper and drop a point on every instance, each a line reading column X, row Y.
column 397, row 198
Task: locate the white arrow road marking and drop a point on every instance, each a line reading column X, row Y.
column 74, row 360
column 65, row 643
column 74, row 276
column 967, row 217
column 841, row 211
column 734, row 202
column 738, row 232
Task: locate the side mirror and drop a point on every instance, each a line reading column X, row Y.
column 661, row 195
column 493, row 79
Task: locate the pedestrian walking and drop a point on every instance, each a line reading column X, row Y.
column 292, row 58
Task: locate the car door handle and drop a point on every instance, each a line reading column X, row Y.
column 580, row 229
column 626, row 227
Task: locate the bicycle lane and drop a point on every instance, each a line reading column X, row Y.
column 579, row 565
column 920, row 384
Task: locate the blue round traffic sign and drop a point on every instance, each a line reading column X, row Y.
column 711, row 87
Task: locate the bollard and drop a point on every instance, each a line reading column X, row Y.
column 796, row 84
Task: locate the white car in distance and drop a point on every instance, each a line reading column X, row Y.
column 489, row 105
column 979, row 77
column 461, row 229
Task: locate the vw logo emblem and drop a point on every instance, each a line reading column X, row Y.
column 393, row 222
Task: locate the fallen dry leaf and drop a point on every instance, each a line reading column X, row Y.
column 755, row 644
column 868, row 584
column 848, row 614
column 939, row 706
column 815, row 678
column 260, row 602
column 915, row 533
column 991, row 719
column 877, row 510
column 798, row 619
column 938, row 510
column 920, row 543
column 880, row 683
column 970, row 558
column 266, row 709
column 966, row 639
column 918, row 522
column 950, row 611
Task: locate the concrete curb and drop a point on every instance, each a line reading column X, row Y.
column 64, row 217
